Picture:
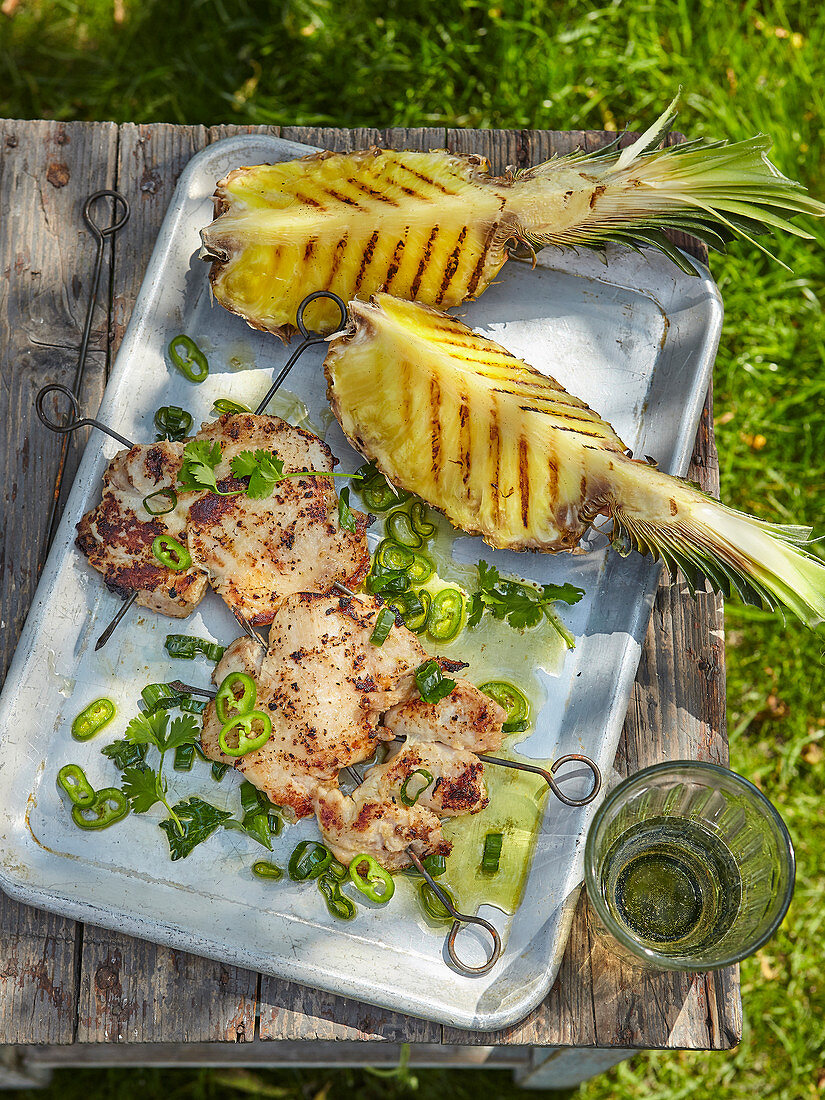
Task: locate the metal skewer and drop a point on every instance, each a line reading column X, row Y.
column 548, row 775
column 100, row 234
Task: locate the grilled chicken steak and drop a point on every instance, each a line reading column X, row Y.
column 117, row 535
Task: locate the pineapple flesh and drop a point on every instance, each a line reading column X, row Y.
column 436, row 227
column 506, row 453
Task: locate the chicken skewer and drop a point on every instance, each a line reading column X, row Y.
column 437, row 228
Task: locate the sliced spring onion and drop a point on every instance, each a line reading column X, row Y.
column 384, row 622
column 171, row 553
column 264, row 869
column 514, row 702
column 446, row 614
column 432, row 684
column 172, row 422
column 223, row 405
column 186, row 647
column 219, row 771
column 161, row 502
column 432, row 904
column 184, row 758
column 410, row 797
column 188, row 358
column 491, row 856
column 399, row 527
column 308, row 860
column 93, row 718
column 391, row 583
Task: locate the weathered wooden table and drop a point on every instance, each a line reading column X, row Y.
column 72, row 993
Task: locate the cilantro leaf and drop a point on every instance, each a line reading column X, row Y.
column 198, row 820
column 562, row 593
column 126, row 754
column 148, row 729
column 200, row 459
column 346, row 517
column 263, row 468
column 184, row 731
column 143, row 787
column 522, row 605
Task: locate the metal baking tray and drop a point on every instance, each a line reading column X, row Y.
column 635, row 338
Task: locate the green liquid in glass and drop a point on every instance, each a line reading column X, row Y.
column 673, row 885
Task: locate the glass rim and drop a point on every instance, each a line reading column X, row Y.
column 649, row 955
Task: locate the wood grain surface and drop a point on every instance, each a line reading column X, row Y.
column 61, row 982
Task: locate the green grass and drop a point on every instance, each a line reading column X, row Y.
column 744, row 67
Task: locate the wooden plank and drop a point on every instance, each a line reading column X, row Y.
column 337, row 141
column 129, row 989
column 47, row 257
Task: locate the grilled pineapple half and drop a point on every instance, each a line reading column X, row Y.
column 506, row 453
column 436, row 227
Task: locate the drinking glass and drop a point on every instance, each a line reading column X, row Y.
column 688, row 867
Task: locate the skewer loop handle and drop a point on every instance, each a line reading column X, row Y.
column 597, row 779
column 458, row 920
column 78, row 421
column 106, row 230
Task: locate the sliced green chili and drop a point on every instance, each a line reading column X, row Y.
column 109, row 805
column 421, row 569
column 446, row 613
column 186, row 647
column 161, row 502
column 172, row 422
column 514, row 702
column 237, row 737
column 432, row 904
column 309, row 860
column 371, row 879
column 229, row 703
column 337, row 870
column 421, row 526
column 338, row 904
column 73, row 781
column 223, row 405
column 384, row 623
column 409, row 798
column 264, row 869
column 190, row 361
column 184, row 758
column 391, row 555
column 399, row 527
column 379, row 495
column 93, row 718
column 171, row 553
column 491, row 856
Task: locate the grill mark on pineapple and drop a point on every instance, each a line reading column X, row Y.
column 552, row 477
column 524, row 480
column 340, row 197
column 464, row 444
column 450, row 269
column 395, row 259
column 435, row 438
column 337, row 256
column 425, row 259
column 366, row 257
column 310, row 248
column 495, row 456
column 301, row 197
column 372, row 192
column 422, row 178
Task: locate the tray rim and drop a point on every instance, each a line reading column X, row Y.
column 170, row 933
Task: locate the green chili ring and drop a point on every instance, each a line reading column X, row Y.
column 224, row 405
column 228, row 704
column 446, row 614
column 262, row 868
column 392, row 555
column 421, row 570
column 193, row 365
column 168, row 494
column 369, row 881
column 93, row 718
column 171, row 553
column 72, row 779
column 173, row 422
column 515, row 703
column 309, row 860
column 405, row 796
column 422, row 527
column 109, row 805
column 399, row 527
column 247, row 741
column 338, row 904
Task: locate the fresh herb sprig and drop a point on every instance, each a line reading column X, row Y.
column 196, row 821
column 433, row 685
column 521, row 604
column 264, row 470
column 143, row 785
